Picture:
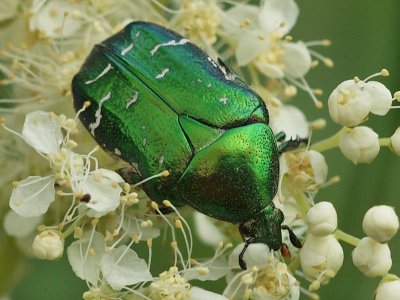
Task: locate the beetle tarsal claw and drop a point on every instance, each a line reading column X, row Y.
column 293, row 238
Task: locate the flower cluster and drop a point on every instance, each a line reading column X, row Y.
column 70, row 190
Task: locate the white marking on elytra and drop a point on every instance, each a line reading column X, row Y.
column 199, row 80
column 162, row 74
column 137, row 34
column 132, row 100
column 117, row 152
column 98, row 114
column 104, row 72
column 212, row 61
column 161, row 160
column 127, row 49
column 224, row 100
column 144, row 127
column 170, row 43
column 144, row 142
column 209, row 85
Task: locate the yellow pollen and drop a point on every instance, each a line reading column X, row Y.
column 384, row 72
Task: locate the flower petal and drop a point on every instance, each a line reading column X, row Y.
column 42, row 132
column 278, row 15
column 89, row 268
column 291, row 121
column 297, row 59
column 381, row 97
column 217, row 268
column 249, row 47
column 104, row 194
column 33, row 196
column 206, row 230
column 123, row 267
column 197, row 293
column 20, row 227
column 255, row 255
column 232, row 18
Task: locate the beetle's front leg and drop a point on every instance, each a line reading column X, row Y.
column 129, row 174
column 242, row 263
column 291, row 144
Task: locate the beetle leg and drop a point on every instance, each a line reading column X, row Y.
column 293, row 238
column 291, row 144
column 280, row 136
column 129, row 174
column 242, row 263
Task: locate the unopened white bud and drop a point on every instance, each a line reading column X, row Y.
column 381, row 223
column 372, row 258
column 395, row 142
column 322, row 219
column 48, row 245
column 349, row 104
column 321, row 255
column 388, row 290
column 360, row 144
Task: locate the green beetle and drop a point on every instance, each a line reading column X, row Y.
column 159, row 102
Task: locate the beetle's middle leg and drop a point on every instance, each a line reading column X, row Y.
column 290, row 144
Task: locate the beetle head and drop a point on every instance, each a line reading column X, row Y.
column 265, row 228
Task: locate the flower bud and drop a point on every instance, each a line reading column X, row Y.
column 360, row 144
column 381, row 223
column 395, row 142
column 372, row 258
column 389, row 290
column 349, row 103
column 322, row 219
column 48, row 245
column 321, row 258
column 381, row 97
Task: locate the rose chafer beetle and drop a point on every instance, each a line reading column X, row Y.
column 159, row 102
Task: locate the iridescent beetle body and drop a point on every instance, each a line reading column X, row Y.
column 161, row 103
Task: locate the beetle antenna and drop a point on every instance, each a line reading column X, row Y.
column 293, row 238
column 242, row 263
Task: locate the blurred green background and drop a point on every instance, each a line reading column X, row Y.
column 366, row 38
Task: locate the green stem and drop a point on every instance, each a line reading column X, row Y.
column 72, row 227
column 302, row 204
column 345, row 237
column 384, row 142
column 329, row 143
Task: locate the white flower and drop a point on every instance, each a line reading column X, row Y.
column 123, row 267
column 372, row 258
column 349, row 103
column 197, row 293
column 32, row 196
column 42, row 132
column 381, row 223
column 56, row 18
column 322, row 219
column 104, row 190
column 291, row 121
column 360, row 144
column 395, row 142
column 321, row 258
column 388, row 290
column 265, row 278
column 259, row 34
column 306, row 170
column 352, row 100
column 84, row 256
column 206, row 230
column 48, row 245
column 18, row 226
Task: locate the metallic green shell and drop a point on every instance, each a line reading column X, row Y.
column 160, row 102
